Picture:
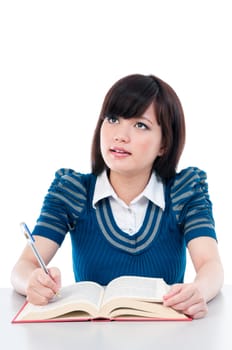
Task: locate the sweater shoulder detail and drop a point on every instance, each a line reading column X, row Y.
column 191, row 203
column 63, row 205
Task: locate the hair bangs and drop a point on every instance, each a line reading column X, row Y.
column 131, row 97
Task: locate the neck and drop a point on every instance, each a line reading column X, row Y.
column 128, row 187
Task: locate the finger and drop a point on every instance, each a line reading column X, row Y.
column 55, row 274
column 185, row 303
column 175, row 289
column 184, row 295
column 177, row 299
column 39, row 295
column 196, row 311
column 47, row 281
column 41, row 287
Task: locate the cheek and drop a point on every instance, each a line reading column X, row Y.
column 103, row 139
column 150, row 149
column 149, row 145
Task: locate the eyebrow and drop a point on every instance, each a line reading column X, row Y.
column 147, row 119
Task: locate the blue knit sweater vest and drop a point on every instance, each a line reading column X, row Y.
column 102, row 251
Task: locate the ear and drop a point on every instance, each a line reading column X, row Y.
column 162, row 151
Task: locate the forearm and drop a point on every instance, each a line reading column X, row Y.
column 192, row 298
column 209, row 279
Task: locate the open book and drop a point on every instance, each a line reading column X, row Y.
column 124, row 298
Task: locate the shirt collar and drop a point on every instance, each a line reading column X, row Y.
column 154, row 191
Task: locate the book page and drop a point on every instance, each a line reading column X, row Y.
column 148, row 310
column 81, row 292
column 151, row 289
column 80, row 296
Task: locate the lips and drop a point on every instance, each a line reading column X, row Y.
column 119, row 151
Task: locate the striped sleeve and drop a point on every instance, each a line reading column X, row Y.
column 192, row 205
column 63, row 204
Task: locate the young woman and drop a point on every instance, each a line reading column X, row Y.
column 133, row 214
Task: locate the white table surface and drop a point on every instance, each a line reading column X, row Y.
column 213, row 332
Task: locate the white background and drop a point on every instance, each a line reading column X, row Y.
column 57, row 61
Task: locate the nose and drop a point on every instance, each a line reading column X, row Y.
column 121, row 138
column 122, row 132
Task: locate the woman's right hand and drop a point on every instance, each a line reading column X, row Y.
column 43, row 287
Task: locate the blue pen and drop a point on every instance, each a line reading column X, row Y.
column 31, row 242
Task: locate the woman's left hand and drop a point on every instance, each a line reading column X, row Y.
column 188, row 299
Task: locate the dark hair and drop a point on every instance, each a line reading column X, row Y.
column 130, row 97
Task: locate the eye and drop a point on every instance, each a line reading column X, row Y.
column 141, row 125
column 112, row 119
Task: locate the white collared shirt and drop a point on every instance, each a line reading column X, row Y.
column 130, row 217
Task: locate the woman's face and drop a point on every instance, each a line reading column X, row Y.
column 130, row 146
